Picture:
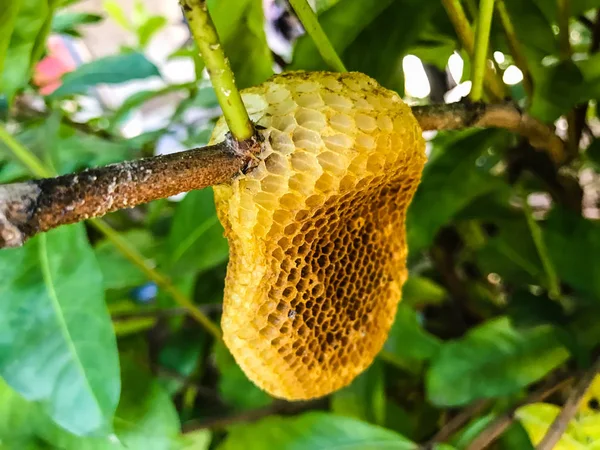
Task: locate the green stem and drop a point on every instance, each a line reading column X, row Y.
column 28, row 159
column 221, row 75
column 515, row 46
column 542, row 250
column 465, row 34
column 482, row 39
column 35, row 166
column 311, row 24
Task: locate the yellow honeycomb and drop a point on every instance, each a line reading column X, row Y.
column 316, row 230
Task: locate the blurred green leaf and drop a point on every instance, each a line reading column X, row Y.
column 533, row 28
column 27, row 41
column 464, row 437
column 342, row 23
column 8, row 17
column 180, row 355
column 315, row 431
column 240, row 24
column 492, row 360
column 196, row 240
column 116, row 13
column 574, row 244
column 364, row 398
column 118, row 271
column 515, row 437
column 112, row 69
column 408, row 342
column 453, row 177
column 67, row 22
column 149, row 28
column 511, row 253
column 234, row 387
column 419, row 291
column 392, row 32
column 57, row 344
column 196, row 440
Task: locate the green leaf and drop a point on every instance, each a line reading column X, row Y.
column 67, row 22
column 511, row 253
column 181, row 354
column 149, row 28
column 240, row 24
column 118, row 271
column 26, row 42
column 314, row 431
column 364, row 398
column 234, row 387
column 196, row 240
column 8, row 17
column 57, row 344
column 392, row 33
column 197, row 440
column 108, row 70
column 342, row 23
column 408, row 342
column 574, row 244
column 492, row 360
column 419, row 291
column 116, row 13
column 146, row 419
column 453, row 177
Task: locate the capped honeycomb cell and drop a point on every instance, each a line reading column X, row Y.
column 317, row 230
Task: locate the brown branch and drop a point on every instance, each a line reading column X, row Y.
column 501, row 423
column 40, row 205
column 561, row 422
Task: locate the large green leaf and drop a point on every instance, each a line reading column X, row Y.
column 574, row 245
column 342, row 23
column 112, row 69
column 56, row 339
column 146, row 419
column 364, row 398
column 314, row 431
column 492, row 360
column 408, row 343
column 67, row 22
column 453, row 177
column 196, row 240
column 26, row 42
column 240, row 24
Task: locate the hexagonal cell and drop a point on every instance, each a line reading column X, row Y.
column 276, row 93
column 333, row 163
column 284, row 108
column 281, row 142
column 310, row 100
column 285, row 124
column 337, row 102
column 343, row 123
column 365, row 122
column 338, row 142
column 306, row 139
column 332, row 84
column 303, row 161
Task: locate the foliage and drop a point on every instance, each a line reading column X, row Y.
column 95, row 354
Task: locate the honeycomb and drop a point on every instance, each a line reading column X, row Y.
column 316, row 230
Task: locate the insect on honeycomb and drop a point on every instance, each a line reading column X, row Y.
column 316, row 230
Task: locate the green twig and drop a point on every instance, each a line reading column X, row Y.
column 482, row 39
column 35, row 166
column 311, row 24
column 515, row 46
column 465, row 34
column 221, row 75
column 542, row 250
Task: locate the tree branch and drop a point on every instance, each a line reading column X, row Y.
column 40, row 205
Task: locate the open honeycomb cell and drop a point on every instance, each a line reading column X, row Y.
column 317, row 230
